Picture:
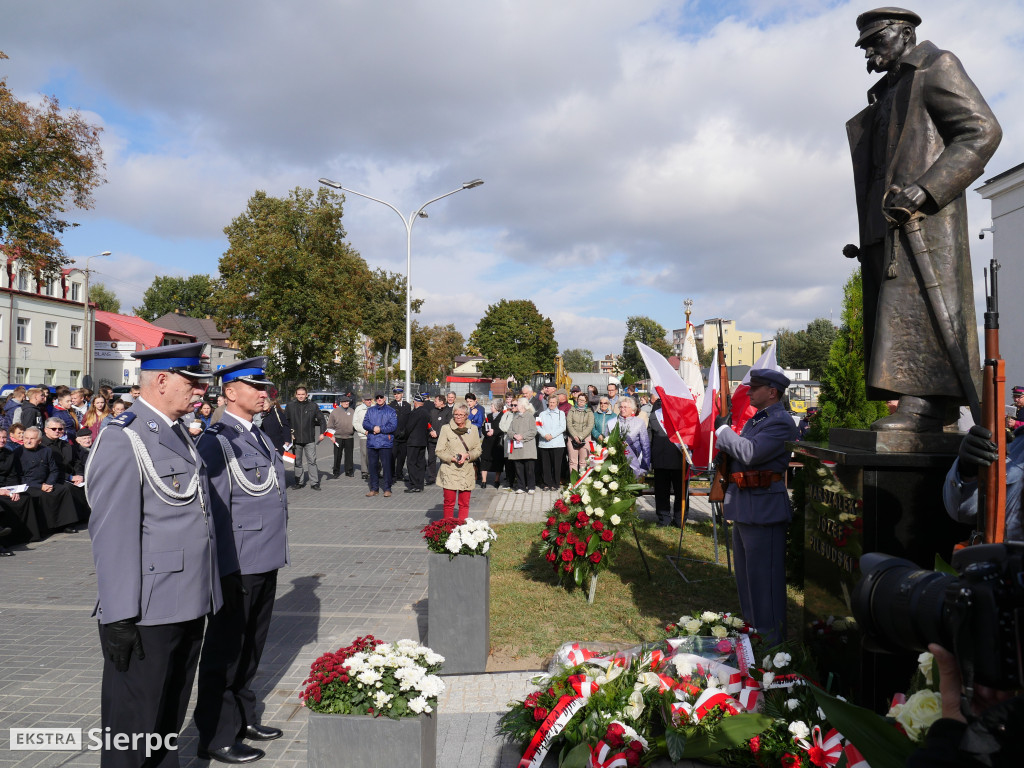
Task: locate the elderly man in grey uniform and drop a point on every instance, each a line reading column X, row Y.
column 757, row 503
column 250, row 509
column 154, row 546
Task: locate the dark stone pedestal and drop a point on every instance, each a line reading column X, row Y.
column 867, row 499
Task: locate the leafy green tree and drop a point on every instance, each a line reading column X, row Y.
column 290, row 287
column 384, row 314
column 192, row 296
column 843, row 400
column 50, row 160
column 809, row 348
column 434, row 349
column 705, row 356
column 516, row 339
column 646, row 331
column 104, row 298
column 577, row 359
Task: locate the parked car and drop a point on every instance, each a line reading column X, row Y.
column 6, row 389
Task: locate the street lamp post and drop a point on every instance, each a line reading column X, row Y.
column 418, row 213
column 87, row 331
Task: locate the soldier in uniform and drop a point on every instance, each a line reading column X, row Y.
column 402, row 410
column 249, row 506
column 757, row 503
column 154, row 547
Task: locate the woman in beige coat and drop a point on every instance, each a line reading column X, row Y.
column 522, row 436
column 458, row 446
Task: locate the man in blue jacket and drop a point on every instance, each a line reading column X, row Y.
column 380, row 424
column 757, row 503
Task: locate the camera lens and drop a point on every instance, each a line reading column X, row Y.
column 898, row 606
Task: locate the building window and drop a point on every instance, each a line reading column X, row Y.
column 50, row 375
column 50, row 334
column 76, row 337
column 22, row 375
column 25, row 330
column 76, row 379
column 48, row 289
column 76, row 291
column 22, row 280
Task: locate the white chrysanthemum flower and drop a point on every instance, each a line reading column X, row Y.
column 792, row 704
column 453, row 544
column 487, row 546
column 781, row 660
column 799, row 729
column 380, row 698
column 419, row 705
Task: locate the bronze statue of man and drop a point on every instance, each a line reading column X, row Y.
column 924, row 137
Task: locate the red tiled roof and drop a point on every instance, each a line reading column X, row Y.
column 114, row 327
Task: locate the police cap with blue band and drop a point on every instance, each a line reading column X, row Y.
column 186, row 359
column 251, row 371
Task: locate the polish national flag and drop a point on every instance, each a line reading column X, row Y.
column 329, row 433
column 289, row 458
column 677, row 403
column 741, row 407
column 704, row 445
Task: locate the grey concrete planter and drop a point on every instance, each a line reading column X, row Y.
column 361, row 741
column 459, row 612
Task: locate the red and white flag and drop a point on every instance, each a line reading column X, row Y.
column 741, row 407
column 677, row 403
column 704, row 445
column 689, row 367
column 329, row 433
column 289, row 458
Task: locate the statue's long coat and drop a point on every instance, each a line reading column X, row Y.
column 925, row 124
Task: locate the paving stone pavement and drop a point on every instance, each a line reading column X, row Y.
column 358, row 566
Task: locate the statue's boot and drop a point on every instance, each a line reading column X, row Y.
column 913, row 414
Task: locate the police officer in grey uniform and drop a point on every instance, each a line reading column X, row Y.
column 249, row 506
column 154, row 546
column 757, row 503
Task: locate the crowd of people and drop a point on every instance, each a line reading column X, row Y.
column 523, row 442
column 45, row 439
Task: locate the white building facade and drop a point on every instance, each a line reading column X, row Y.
column 43, row 327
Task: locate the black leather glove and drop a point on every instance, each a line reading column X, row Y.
column 976, row 450
column 121, row 639
column 721, row 421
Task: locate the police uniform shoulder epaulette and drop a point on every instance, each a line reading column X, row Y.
column 216, row 428
column 123, row 420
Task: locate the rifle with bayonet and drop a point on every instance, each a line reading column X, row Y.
column 721, row 479
column 992, row 479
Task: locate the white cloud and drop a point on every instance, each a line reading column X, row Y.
column 634, row 153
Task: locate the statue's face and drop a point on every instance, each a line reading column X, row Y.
column 885, row 48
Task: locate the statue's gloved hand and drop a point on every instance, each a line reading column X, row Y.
column 976, row 450
column 909, row 199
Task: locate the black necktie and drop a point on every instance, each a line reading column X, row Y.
column 176, row 429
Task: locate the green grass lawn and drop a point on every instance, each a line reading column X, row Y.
column 532, row 615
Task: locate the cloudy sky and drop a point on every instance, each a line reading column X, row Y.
column 634, row 153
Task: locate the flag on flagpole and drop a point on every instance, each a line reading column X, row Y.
column 677, row 403
column 704, row 445
column 689, row 367
column 741, row 407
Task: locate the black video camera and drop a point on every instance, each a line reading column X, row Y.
column 979, row 616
